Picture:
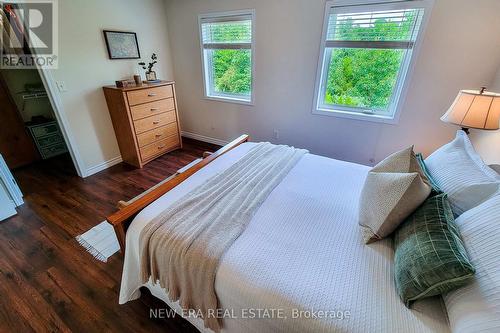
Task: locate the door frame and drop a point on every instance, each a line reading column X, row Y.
column 55, row 100
column 7, row 206
column 10, row 183
column 57, row 106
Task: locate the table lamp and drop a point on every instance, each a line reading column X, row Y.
column 474, row 109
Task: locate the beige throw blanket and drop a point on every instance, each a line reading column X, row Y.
column 182, row 247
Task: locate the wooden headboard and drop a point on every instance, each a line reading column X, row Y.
column 124, row 216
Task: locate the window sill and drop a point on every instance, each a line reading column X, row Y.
column 229, row 100
column 375, row 118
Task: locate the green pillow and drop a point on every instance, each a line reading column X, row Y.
column 430, row 258
column 434, row 185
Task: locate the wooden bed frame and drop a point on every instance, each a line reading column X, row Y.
column 121, row 219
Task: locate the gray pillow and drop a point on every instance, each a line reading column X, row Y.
column 495, row 167
column 393, row 189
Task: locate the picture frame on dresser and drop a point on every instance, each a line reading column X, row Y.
column 145, row 119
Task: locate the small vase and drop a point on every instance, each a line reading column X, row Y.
column 138, row 80
column 151, row 76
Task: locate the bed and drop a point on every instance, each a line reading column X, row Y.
column 300, row 265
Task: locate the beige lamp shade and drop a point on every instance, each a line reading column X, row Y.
column 475, row 109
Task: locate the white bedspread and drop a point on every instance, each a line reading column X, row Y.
column 302, row 251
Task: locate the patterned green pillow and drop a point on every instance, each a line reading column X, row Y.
column 430, row 258
column 434, row 185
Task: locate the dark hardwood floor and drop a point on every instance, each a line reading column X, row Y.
column 48, row 283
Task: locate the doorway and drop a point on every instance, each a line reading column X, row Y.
column 30, row 136
column 34, row 132
column 29, row 131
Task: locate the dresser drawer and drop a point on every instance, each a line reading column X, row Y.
column 44, row 129
column 149, row 95
column 152, row 108
column 53, row 150
column 149, row 123
column 150, row 151
column 49, row 140
column 156, row 134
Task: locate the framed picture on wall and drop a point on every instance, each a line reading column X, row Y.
column 122, row 44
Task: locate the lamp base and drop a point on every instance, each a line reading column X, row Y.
column 466, row 130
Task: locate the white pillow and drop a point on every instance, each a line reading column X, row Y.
column 476, row 307
column 461, row 173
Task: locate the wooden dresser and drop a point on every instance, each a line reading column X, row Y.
column 145, row 120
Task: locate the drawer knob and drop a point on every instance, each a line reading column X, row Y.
column 161, row 147
column 151, row 94
column 158, row 135
column 156, row 122
column 154, row 109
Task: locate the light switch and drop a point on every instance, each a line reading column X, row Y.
column 61, row 85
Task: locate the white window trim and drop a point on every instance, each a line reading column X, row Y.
column 404, row 79
column 206, row 88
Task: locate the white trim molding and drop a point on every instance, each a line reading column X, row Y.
column 204, row 138
column 55, row 101
column 118, row 159
column 102, row 166
column 10, row 183
column 10, row 210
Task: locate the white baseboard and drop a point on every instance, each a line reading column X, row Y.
column 103, row 166
column 204, row 138
column 109, row 163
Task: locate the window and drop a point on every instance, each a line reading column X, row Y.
column 367, row 52
column 227, row 55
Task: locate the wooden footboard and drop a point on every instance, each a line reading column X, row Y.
column 124, row 216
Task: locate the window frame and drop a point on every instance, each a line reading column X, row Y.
column 206, row 61
column 405, row 72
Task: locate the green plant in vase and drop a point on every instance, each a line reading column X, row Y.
column 150, row 74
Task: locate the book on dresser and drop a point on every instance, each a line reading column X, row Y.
column 145, row 120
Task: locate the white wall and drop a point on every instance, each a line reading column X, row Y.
column 459, row 51
column 84, row 65
column 487, row 143
column 495, row 84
